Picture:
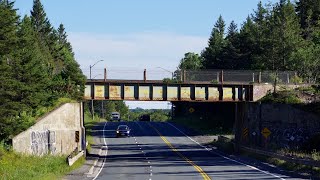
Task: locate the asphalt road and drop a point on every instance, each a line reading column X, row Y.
column 161, row 151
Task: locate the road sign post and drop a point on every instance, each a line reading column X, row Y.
column 266, row 133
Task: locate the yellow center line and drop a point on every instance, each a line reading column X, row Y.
column 199, row 169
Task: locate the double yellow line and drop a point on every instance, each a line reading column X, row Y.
column 203, row 174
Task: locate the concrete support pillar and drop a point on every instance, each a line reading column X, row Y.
column 259, row 79
column 237, row 130
column 240, row 108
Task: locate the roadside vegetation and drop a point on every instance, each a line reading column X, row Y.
column 283, row 97
column 226, row 145
column 38, row 68
column 38, row 73
column 89, row 123
column 275, row 37
column 155, row 114
column 305, row 98
column 294, row 167
column 18, row 166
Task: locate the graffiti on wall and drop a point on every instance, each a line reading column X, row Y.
column 289, row 137
column 289, row 127
column 42, row 142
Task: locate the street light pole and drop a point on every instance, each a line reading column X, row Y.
column 92, row 109
column 93, row 65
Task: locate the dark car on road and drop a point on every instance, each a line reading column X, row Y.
column 145, row 117
column 123, row 130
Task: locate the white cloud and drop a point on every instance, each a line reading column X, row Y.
column 132, row 53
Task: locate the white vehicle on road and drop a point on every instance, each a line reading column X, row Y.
column 115, row 116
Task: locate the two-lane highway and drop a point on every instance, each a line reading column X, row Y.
column 161, row 151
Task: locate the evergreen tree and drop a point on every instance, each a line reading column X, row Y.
column 30, row 70
column 72, row 76
column 213, row 53
column 260, row 34
column 232, row 30
column 40, row 21
column 220, row 26
column 231, row 53
column 9, row 106
column 62, row 38
column 309, row 15
column 286, row 37
column 308, row 62
column 45, row 31
column 8, row 27
column 247, row 44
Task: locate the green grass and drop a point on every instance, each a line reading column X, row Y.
column 18, row 166
column 89, row 123
column 44, row 110
column 302, row 169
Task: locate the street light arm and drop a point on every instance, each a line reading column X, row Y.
column 165, row 69
column 95, row 63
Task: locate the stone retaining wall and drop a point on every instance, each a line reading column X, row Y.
column 55, row 133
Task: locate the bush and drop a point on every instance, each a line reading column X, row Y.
column 284, row 97
column 296, row 80
column 214, row 81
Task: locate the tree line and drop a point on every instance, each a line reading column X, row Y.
column 37, row 66
column 284, row 36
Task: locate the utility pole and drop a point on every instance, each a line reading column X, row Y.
column 92, row 109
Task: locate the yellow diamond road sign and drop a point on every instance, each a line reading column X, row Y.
column 266, row 132
column 191, row 110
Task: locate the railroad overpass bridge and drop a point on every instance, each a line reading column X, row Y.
column 158, row 90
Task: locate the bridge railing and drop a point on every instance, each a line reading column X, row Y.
column 241, row 76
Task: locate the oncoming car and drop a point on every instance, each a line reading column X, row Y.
column 123, row 130
column 115, row 116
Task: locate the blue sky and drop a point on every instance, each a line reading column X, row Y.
column 131, row 35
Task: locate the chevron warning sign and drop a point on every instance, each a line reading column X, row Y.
column 77, row 136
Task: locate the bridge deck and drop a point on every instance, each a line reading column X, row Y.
column 157, row 90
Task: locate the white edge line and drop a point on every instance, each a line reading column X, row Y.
column 105, row 157
column 252, row 167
